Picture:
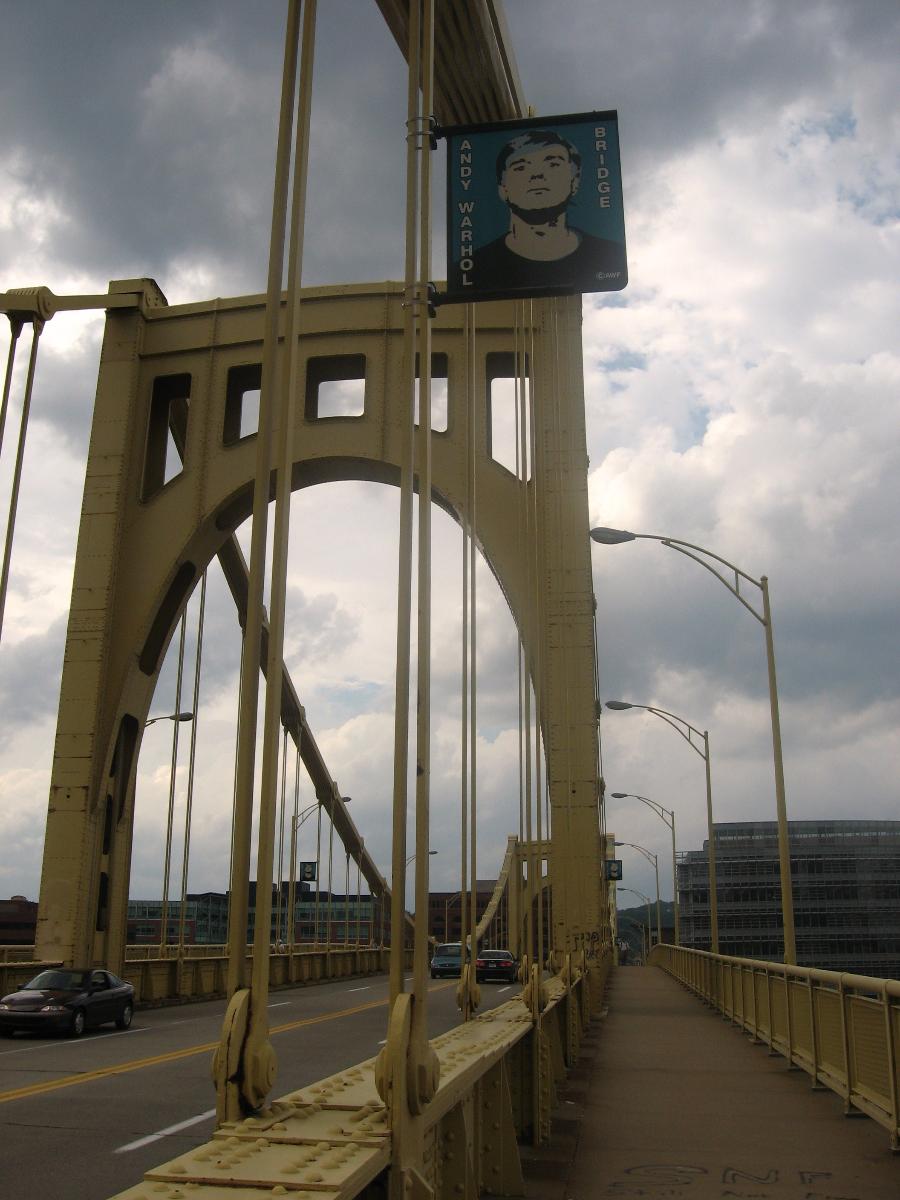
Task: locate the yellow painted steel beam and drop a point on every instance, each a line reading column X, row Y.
column 476, row 77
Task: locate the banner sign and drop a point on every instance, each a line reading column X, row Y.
column 534, row 208
column 306, row 871
column 614, row 868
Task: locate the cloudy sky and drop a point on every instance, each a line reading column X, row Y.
column 742, row 394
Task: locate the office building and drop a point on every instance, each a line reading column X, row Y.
column 846, row 885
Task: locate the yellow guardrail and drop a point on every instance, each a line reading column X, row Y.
column 842, row 1029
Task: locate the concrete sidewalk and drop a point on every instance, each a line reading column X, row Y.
column 671, row 1102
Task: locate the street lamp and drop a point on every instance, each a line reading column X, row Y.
column 668, row 816
column 652, row 858
column 182, row 716
column 296, row 821
column 447, row 903
column 612, row 537
column 646, row 900
column 412, row 856
column 177, row 717
column 687, row 731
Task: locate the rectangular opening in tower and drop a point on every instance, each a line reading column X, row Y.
column 167, row 428
column 242, row 403
column 335, row 386
column 508, row 405
column 440, row 408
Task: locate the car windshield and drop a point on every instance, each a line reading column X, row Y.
column 67, row 981
column 450, row 950
column 503, row 954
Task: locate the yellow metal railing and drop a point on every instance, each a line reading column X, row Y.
column 842, row 1029
column 499, row 1074
column 199, row 974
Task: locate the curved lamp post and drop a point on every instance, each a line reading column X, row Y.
column 412, row 856
column 177, row 717
column 706, row 559
column 447, row 903
column 688, row 732
column 651, row 858
column 668, row 816
column 646, row 900
column 181, row 716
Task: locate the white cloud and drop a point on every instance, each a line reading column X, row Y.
column 741, row 394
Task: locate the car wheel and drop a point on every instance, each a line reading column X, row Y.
column 6, row 1032
column 123, row 1020
column 76, row 1027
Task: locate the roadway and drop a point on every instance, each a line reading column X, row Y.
column 82, row 1119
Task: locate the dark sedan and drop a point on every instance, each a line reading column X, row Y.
column 447, row 959
column 68, row 1001
column 496, row 964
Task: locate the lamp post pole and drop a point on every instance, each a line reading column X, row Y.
column 706, row 559
column 176, row 718
column 447, row 904
column 668, row 816
column 689, row 732
column 651, row 858
column 646, row 900
column 296, row 821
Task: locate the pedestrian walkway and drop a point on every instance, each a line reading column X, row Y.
column 669, row 1101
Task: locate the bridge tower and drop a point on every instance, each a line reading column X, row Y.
column 182, row 372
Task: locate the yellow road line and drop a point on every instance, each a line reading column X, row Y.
column 37, row 1089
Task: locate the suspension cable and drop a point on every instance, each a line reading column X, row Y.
column 164, row 915
column 347, row 899
column 15, row 328
column 521, row 633
column 36, row 330
column 473, row 675
column 318, row 868
column 279, row 906
column 405, row 554
column 228, row 1102
column 465, row 522
column 526, row 524
column 538, row 573
column 192, row 759
column 330, row 886
column 358, row 897
column 292, row 884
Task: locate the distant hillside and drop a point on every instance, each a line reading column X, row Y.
column 632, row 920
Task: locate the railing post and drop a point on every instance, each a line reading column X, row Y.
column 771, row 1011
column 891, row 1065
column 790, row 1019
column 845, row 1039
column 814, row 1034
column 755, row 1004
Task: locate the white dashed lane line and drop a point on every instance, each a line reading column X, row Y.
column 155, row 1137
column 72, row 1042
